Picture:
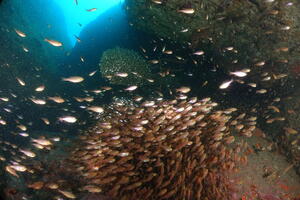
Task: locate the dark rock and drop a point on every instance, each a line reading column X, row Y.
column 96, row 197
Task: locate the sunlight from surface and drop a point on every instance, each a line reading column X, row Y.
column 79, row 13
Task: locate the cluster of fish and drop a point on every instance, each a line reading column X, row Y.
column 171, row 135
column 248, row 74
column 254, row 77
column 162, row 149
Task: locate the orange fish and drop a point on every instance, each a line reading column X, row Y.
column 53, row 42
column 284, row 187
column 91, row 10
column 20, row 33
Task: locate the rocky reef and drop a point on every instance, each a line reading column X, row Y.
column 290, row 129
column 280, row 120
column 231, row 34
column 262, row 36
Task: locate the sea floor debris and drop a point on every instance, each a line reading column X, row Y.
column 268, row 175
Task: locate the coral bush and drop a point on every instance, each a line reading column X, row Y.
column 118, row 61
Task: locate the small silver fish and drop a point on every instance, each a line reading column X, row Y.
column 28, row 153
column 121, row 74
column 131, row 88
column 53, row 42
column 183, row 89
column 96, row 109
column 92, row 73
column 187, row 11
column 261, row 91
column 198, row 53
column 20, row 33
column 74, row 79
column 21, row 82
column 38, row 101
column 68, row 119
column 40, row 88
column 42, row 142
column 252, row 84
column 156, row 1
column 238, row 73
column 225, row 84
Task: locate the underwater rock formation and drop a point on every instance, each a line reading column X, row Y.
column 282, row 118
column 233, row 34
column 291, row 128
column 176, row 149
column 124, row 67
column 96, row 197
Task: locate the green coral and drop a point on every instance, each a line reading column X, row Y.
column 120, row 60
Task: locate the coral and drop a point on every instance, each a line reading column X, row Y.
column 120, row 60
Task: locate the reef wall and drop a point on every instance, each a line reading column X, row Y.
column 232, row 34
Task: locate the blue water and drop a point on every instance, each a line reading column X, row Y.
column 77, row 16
